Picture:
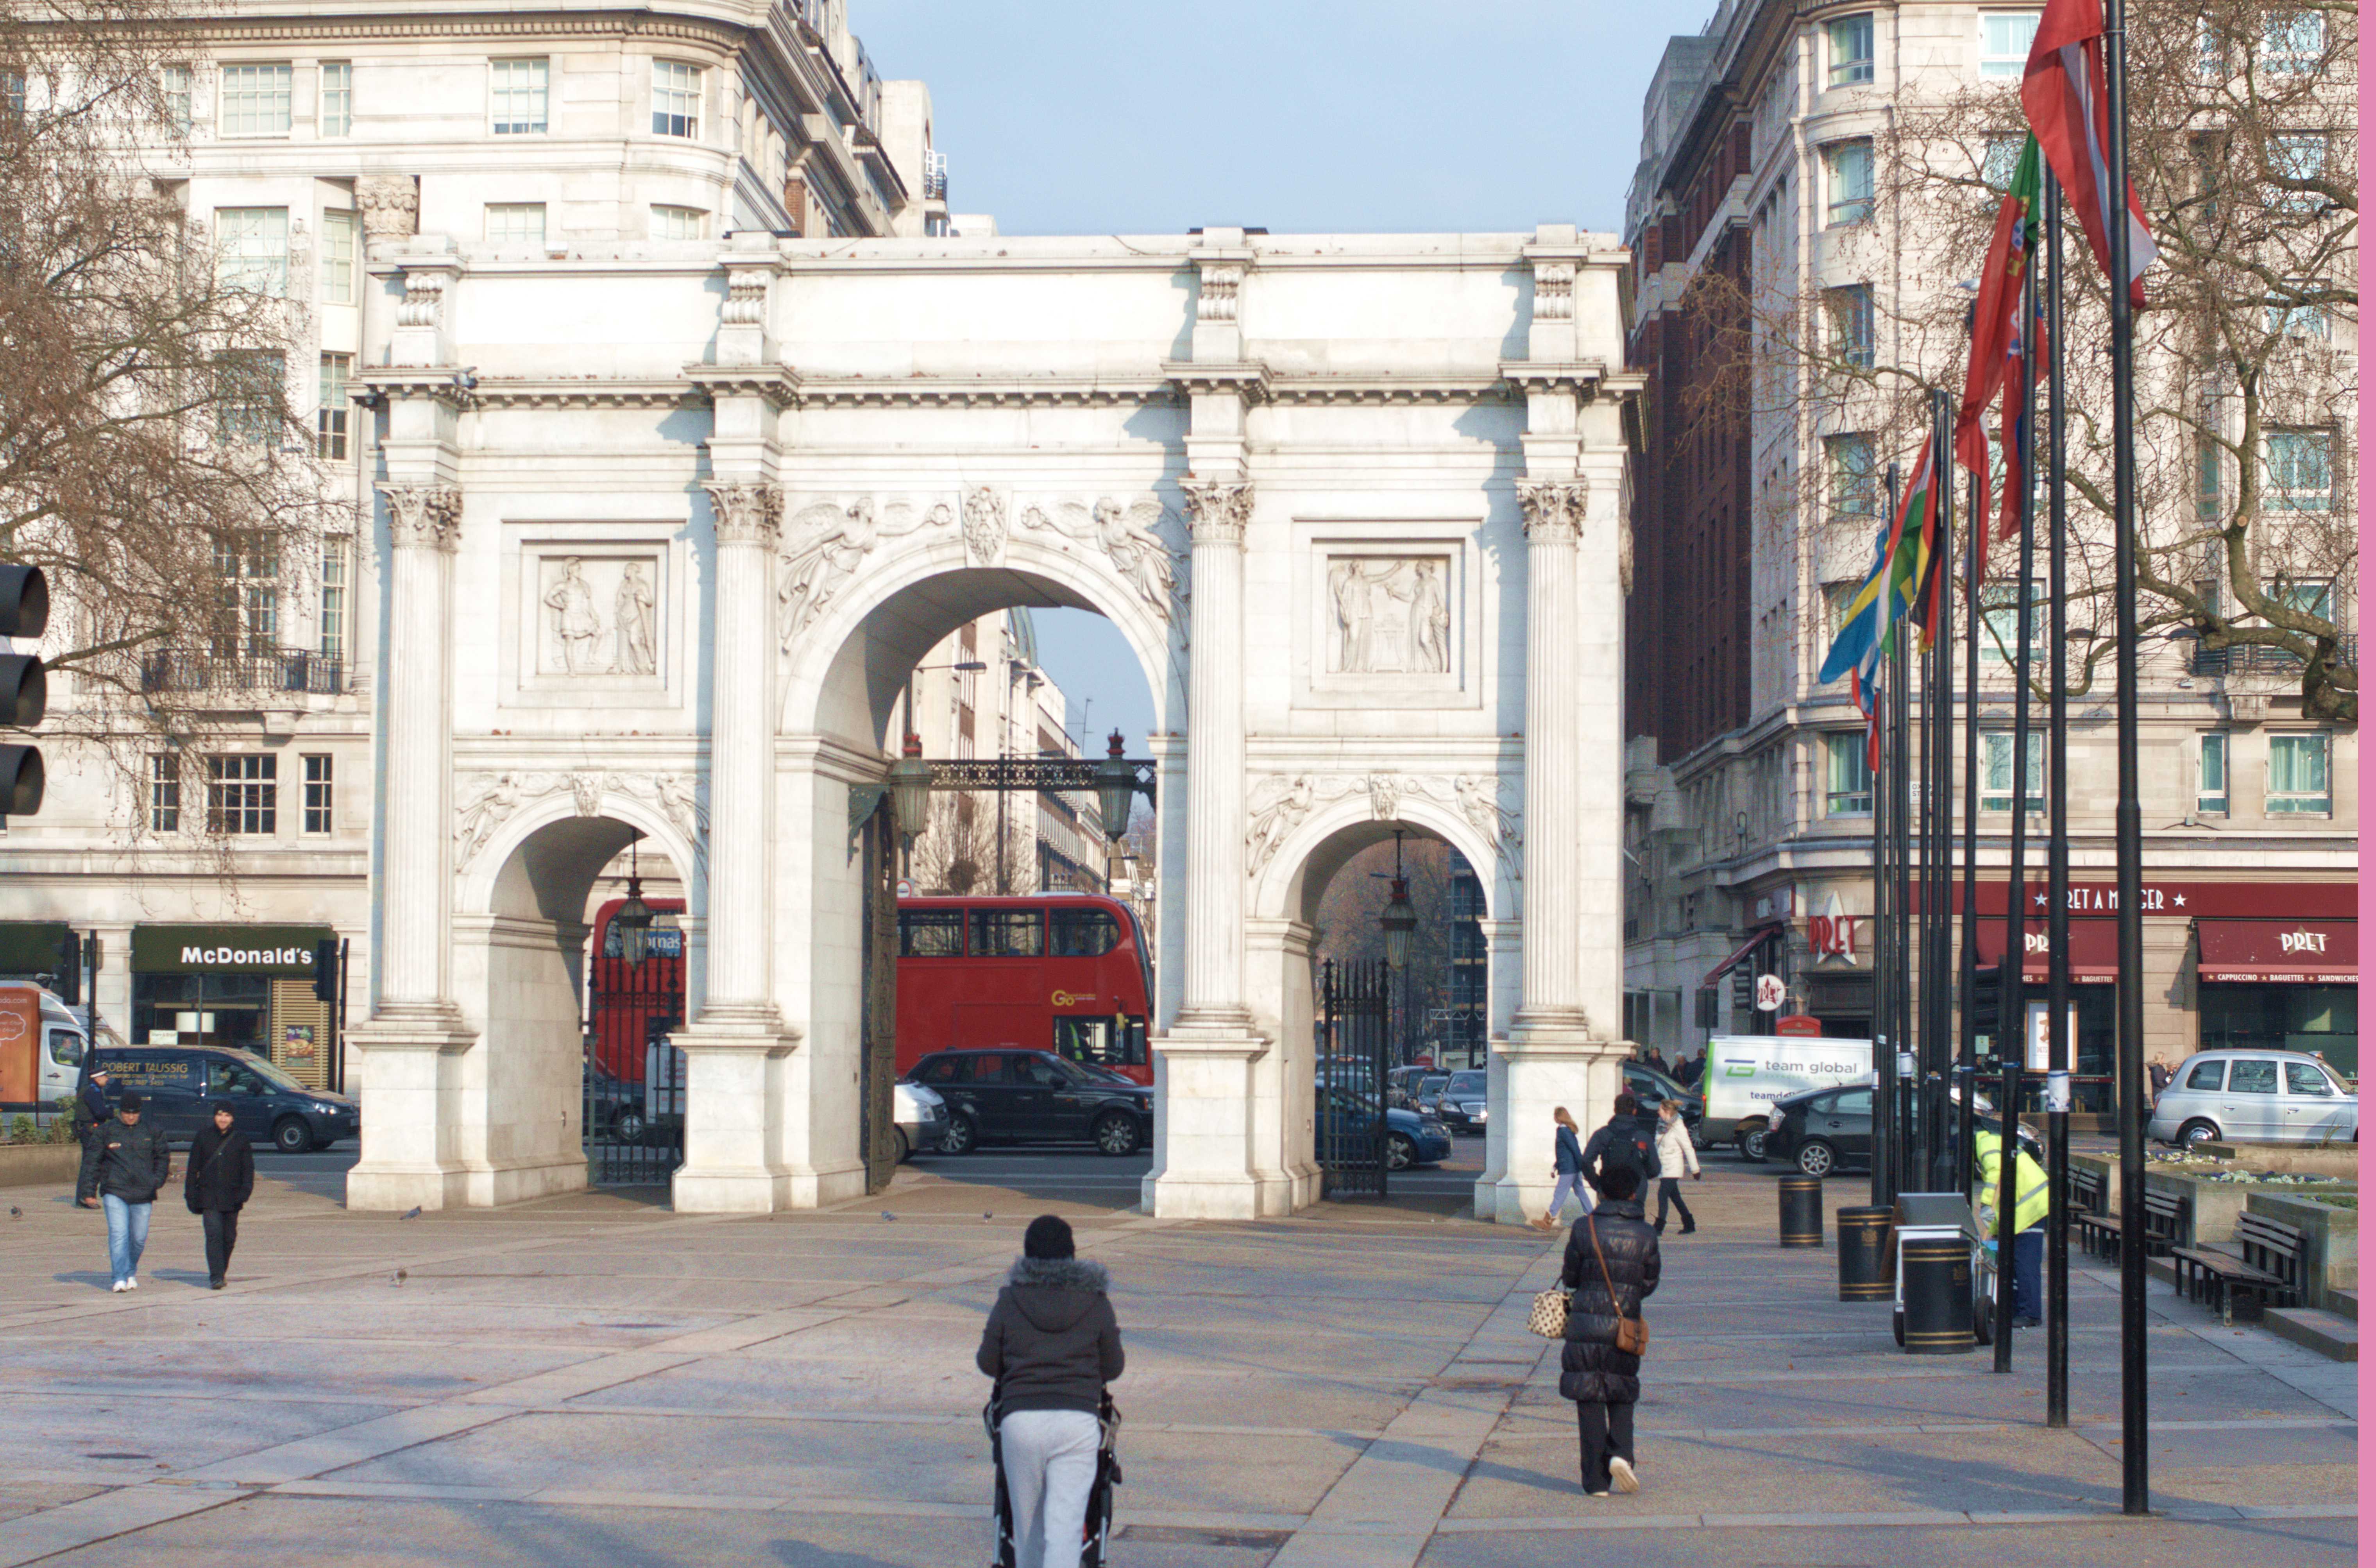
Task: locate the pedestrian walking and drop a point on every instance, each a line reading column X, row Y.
column 1567, row 1171
column 221, row 1177
column 1675, row 1156
column 125, row 1163
column 1612, row 1264
column 2159, row 1073
column 91, row 1110
column 1051, row 1347
column 1629, row 1140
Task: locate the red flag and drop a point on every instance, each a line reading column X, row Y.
column 2063, row 91
column 1996, row 324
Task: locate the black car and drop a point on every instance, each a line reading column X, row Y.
column 1650, row 1086
column 1034, row 1096
column 1461, row 1106
column 178, row 1082
column 1822, row 1130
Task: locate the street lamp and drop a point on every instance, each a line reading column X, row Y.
column 632, row 920
column 912, row 793
column 1399, row 917
column 1117, row 785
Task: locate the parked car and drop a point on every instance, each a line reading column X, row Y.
column 1034, row 1097
column 1820, row 1131
column 921, row 1118
column 178, row 1082
column 1461, row 1106
column 1651, row 1086
column 613, row 1106
column 1411, row 1138
column 2255, row 1096
column 1403, row 1083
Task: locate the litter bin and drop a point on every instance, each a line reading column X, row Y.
column 1937, row 1307
column 1803, row 1211
column 1865, row 1273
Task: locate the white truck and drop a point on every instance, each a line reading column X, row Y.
column 1746, row 1074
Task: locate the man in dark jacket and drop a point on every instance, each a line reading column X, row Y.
column 1628, row 1139
column 221, row 1177
column 91, row 1110
column 1612, row 1264
column 125, row 1163
column 1051, row 1347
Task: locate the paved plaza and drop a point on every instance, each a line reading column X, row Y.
column 595, row 1379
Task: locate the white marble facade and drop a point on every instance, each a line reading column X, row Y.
column 663, row 529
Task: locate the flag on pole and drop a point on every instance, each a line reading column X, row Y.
column 2062, row 90
column 1919, row 579
column 1890, row 590
column 1997, row 337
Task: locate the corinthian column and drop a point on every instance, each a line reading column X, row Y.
column 1549, row 976
column 425, row 523
column 1213, row 983
column 741, row 762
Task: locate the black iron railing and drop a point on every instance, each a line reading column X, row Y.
column 2258, row 658
column 271, row 670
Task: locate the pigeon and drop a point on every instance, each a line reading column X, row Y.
column 985, row 1217
column 16, row 1213
column 399, row 1277
column 413, row 1213
column 888, row 1217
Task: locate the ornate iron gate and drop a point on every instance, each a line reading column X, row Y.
column 634, row 1078
column 1349, row 1106
column 878, row 1019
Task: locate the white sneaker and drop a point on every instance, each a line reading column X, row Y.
column 133, row 1283
column 1621, row 1476
column 119, row 1287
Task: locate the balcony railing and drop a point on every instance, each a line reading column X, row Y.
column 289, row 669
column 2258, row 658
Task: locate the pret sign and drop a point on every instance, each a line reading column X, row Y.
column 1769, row 993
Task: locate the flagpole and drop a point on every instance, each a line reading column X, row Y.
column 1968, row 1056
column 2058, row 855
column 1885, row 1046
column 1901, row 947
column 1937, row 982
column 2128, row 818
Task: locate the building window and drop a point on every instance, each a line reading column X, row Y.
column 165, row 792
column 255, row 101
column 333, row 629
column 2000, row 157
column 2300, row 159
column 2298, row 776
column 676, row 99
column 338, row 98
column 2004, row 42
column 2003, row 640
column 678, row 222
column 330, row 418
column 2210, row 480
column 2294, row 41
column 1851, row 43
column 248, row 596
column 177, row 82
column 338, row 256
column 1996, row 773
column 2211, row 775
column 250, row 393
column 253, row 253
column 516, row 222
column 2300, row 468
column 317, row 794
column 1849, row 459
column 519, row 97
column 1850, row 310
column 1848, row 787
column 2298, row 321
column 1848, row 174
column 2307, row 596
column 242, row 794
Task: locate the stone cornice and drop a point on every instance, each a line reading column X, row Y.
column 443, row 382
column 1248, row 379
column 445, row 24
column 776, row 384
column 1087, row 391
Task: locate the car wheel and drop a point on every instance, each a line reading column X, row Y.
column 1752, row 1145
column 961, row 1137
column 1399, row 1152
column 291, row 1136
column 1116, row 1133
column 628, row 1124
column 2198, row 1131
column 1816, row 1157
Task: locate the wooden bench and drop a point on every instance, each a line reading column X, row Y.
column 2083, row 1207
column 2165, row 1222
column 2267, row 1266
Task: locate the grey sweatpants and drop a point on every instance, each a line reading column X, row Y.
column 1052, row 1462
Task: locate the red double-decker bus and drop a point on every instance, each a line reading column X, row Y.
column 630, row 1004
column 1065, row 972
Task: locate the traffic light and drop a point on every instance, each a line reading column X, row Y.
column 24, row 691
column 326, row 969
column 1987, row 1000
column 70, row 986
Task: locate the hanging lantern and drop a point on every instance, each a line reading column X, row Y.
column 1399, row 919
column 1117, row 784
column 633, row 918
column 911, row 788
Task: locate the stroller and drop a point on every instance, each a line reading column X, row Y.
column 1097, row 1525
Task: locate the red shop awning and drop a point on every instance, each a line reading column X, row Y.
column 2285, row 952
column 1743, row 951
column 2095, row 950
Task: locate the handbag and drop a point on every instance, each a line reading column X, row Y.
column 1548, row 1318
column 1633, row 1333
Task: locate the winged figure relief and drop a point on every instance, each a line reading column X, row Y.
column 831, row 540
column 1127, row 534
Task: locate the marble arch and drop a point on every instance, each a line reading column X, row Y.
column 1355, row 501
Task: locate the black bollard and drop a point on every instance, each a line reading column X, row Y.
column 1803, row 1210
column 1938, row 1308
column 1865, row 1273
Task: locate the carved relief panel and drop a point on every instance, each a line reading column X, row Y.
column 594, row 617
column 1389, row 616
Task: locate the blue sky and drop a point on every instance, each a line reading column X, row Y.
column 1130, row 116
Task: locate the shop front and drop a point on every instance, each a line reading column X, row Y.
column 249, row 987
column 2281, row 985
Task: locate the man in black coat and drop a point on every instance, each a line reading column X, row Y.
column 1051, row 1347
column 1627, row 1138
column 220, row 1179
column 91, row 1110
column 1612, row 1264
column 125, row 1163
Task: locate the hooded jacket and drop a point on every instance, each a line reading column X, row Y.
column 221, row 1174
column 1052, row 1342
column 1676, row 1158
column 124, row 1161
column 1591, row 1366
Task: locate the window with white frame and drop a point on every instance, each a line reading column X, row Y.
column 338, row 256
column 1847, row 181
column 2297, row 157
column 1996, row 772
column 2000, row 157
column 2307, row 595
column 164, row 792
column 2211, row 773
column 338, row 98
column 519, row 90
column 1847, row 775
column 333, row 408
column 242, row 794
column 178, row 83
column 2293, row 41
column 248, row 593
column 2298, row 779
column 251, row 393
column 2299, row 468
column 2002, row 641
column 1850, row 38
column 1848, row 460
column 676, row 99
column 2004, row 42
column 2210, row 479
column 252, row 249
column 319, row 815
column 332, row 631
column 678, row 222
column 255, row 101
column 516, row 222
column 2303, row 321
column 1837, row 597
column 1850, row 310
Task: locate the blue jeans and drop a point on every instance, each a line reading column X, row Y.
column 1570, row 1184
column 2028, row 1260
column 127, row 1235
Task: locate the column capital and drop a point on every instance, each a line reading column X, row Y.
column 423, row 516
column 1217, row 509
column 1553, row 509
column 747, row 514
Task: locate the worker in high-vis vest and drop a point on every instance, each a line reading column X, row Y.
column 2029, row 1207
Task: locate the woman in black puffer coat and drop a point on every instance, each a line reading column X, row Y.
column 1602, row 1380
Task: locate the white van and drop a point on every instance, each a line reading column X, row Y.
column 1746, row 1074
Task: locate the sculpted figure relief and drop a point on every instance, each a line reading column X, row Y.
column 1391, row 615
column 830, row 541
column 577, row 625
column 633, row 611
column 1128, row 537
column 1283, row 804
